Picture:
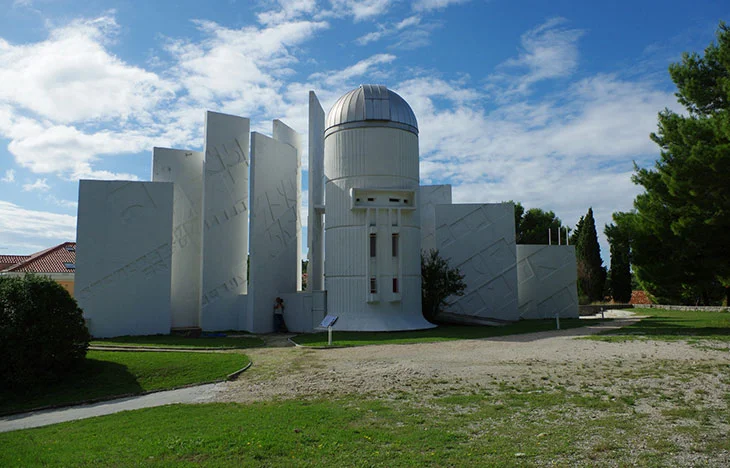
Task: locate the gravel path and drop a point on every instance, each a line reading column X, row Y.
column 285, row 373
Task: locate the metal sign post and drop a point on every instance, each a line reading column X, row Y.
column 328, row 322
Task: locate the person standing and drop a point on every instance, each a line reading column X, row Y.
column 279, row 325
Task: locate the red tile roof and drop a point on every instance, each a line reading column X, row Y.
column 639, row 297
column 49, row 261
column 6, row 261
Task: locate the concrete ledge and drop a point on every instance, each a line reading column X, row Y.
column 687, row 308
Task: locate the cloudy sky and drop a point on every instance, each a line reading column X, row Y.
column 547, row 103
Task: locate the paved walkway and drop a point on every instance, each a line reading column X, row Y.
column 197, row 394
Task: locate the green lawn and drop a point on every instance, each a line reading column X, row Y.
column 106, row 374
column 516, row 424
column 441, row 333
column 173, row 341
column 665, row 324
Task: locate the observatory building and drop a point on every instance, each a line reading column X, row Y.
column 215, row 237
column 372, row 223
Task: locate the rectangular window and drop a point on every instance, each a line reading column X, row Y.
column 373, row 244
column 70, row 266
column 394, row 245
column 395, row 285
column 373, row 285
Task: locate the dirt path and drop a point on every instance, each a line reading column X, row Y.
column 284, row 373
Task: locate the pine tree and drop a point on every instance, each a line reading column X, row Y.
column 620, row 272
column 591, row 273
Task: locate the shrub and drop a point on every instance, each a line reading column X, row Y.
column 438, row 282
column 42, row 331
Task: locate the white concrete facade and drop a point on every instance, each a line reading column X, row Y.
column 185, row 169
column 275, row 225
column 225, row 220
column 124, row 256
column 429, row 197
column 479, row 240
column 315, row 224
column 547, row 276
column 372, row 225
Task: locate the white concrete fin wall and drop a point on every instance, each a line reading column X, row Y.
column 185, row 169
column 274, row 228
column 225, row 220
column 315, row 223
column 546, row 278
column 479, row 239
column 123, row 256
column 429, row 196
column 285, row 134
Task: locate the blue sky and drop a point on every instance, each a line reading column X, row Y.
column 547, row 103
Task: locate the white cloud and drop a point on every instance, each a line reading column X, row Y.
column 428, row 5
column 40, row 185
column 549, row 51
column 361, row 68
column 360, row 9
column 9, row 176
column 71, row 76
column 30, row 229
column 409, row 33
column 287, row 10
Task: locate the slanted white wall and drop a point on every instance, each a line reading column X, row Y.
column 315, row 223
column 274, row 228
column 479, row 239
column 225, row 220
column 429, row 196
column 123, row 256
column 547, row 276
column 185, row 169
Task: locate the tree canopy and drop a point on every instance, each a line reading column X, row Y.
column 531, row 226
column 681, row 225
column 438, row 282
column 619, row 276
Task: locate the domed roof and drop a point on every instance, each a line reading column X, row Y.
column 371, row 103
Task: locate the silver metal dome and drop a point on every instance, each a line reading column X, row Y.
column 371, row 105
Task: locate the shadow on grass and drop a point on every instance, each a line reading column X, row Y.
column 93, row 379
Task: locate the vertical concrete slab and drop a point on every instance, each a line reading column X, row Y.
column 274, row 167
column 546, row 276
column 123, row 256
column 225, row 220
column 185, row 169
column 315, row 223
column 429, row 196
column 479, row 239
column 285, row 134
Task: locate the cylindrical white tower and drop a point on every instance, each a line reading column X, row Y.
column 372, row 224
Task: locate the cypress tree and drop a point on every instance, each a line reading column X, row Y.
column 591, row 273
column 620, row 273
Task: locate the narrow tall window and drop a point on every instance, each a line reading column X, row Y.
column 373, row 285
column 395, row 285
column 394, row 244
column 373, row 244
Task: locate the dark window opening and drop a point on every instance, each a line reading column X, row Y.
column 371, row 199
column 71, row 248
column 357, row 199
column 394, row 245
column 395, row 285
column 405, row 201
column 373, row 244
column 394, row 200
column 373, row 285
column 69, row 265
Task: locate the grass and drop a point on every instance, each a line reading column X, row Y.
column 517, row 424
column 106, row 374
column 441, row 333
column 668, row 325
column 173, row 341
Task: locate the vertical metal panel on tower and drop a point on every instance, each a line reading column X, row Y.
column 185, row 169
column 429, row 197
column 225, row 220
column 546, row 277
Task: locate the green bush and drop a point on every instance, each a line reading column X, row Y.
column 42, row 331
column 438, row 282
